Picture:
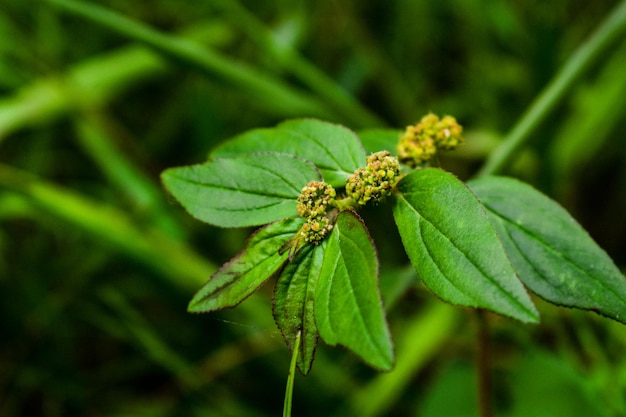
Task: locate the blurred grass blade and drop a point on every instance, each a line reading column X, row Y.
column 611, row 31
column 304, row 70
column 91, row 83
column 143, row 193
column 270, row 92
column 142, row 333
column 596, row 111
column 165, row 255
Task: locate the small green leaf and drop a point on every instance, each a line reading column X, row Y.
column 334, row 149
column 454, row 248
column 348, row 307
column 248, row 190
column 375, row 140
column 247, row 271
column 294, row 296
column 553, row 255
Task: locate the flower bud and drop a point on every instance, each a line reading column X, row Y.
column 420, row 142
column 316, row 229
column 376, row 181
column 313, row 203
column 314, row 199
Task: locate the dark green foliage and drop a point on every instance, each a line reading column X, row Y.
column 293, row 307
column 98, row 263
column 552, row 254
column 468, row 251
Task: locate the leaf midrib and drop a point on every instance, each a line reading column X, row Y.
column 495, row 283
column 543, row 243
column 235, row 189
column 371, row 339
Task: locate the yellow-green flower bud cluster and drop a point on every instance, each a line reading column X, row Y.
column 313, row 203
column 316, row 229
column 376, row 181
column 420, row 142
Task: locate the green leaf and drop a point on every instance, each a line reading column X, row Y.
column 348, row 307
column 241, row 276
column 293, row 309
column 248, row 190
column 453, row 247
column 334, row 149
column 553, row 255
column 375, row 140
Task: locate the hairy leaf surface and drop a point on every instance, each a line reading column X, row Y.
column 293, row 307
column 247, row 271
column 334, row 149
column 453, row 247
column 348, row 307
column 248, row 190
column 553, row 255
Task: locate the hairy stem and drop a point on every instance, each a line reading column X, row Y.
column 291, row 377
column 611, row 31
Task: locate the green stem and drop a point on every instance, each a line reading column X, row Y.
column 611, row 31
column 291, row 377
column 284, row 99
column 346, row 203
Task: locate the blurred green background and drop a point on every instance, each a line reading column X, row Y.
column 97, row 264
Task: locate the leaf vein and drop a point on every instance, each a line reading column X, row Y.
column 361, row 308
column 471, row 261
column 546, row 245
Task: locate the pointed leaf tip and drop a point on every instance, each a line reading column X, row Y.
column 348, row 306
column 246, row 272
column 553, row 255
column 453, row 247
